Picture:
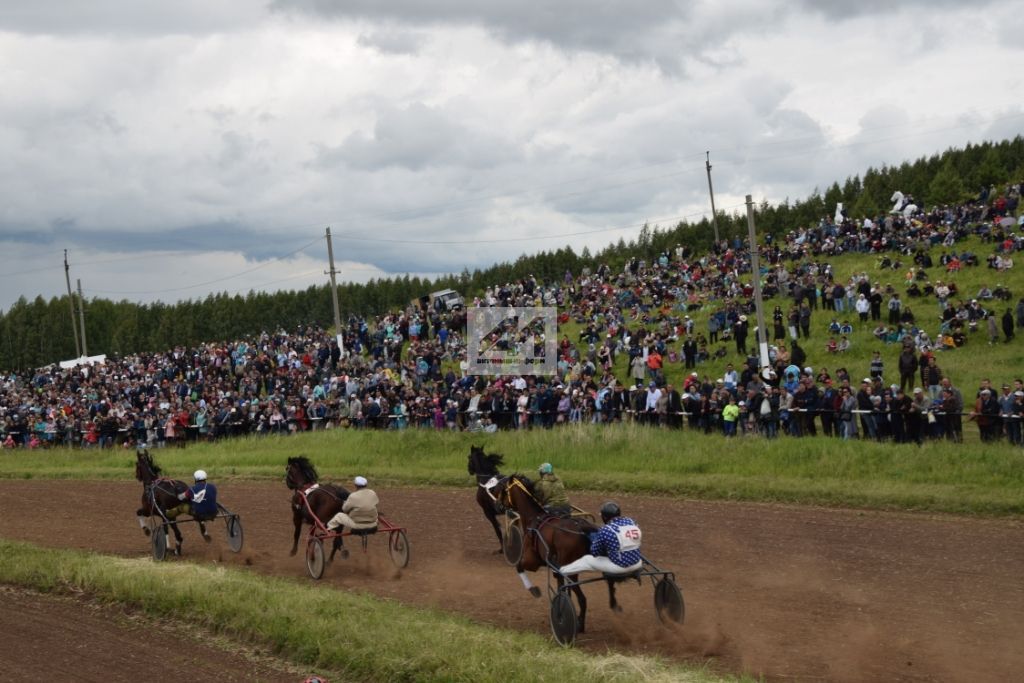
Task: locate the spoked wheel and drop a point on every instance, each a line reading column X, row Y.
column 158, row 539
column 315, row 557
column 235, row 533
column 398, row 548
column 513, row 546
column 563, row 619
column 668, row 601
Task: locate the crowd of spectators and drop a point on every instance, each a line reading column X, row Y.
column 408, row 368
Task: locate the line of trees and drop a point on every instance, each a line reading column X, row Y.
column 37, row 332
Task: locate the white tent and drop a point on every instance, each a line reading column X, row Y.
column 84, row 360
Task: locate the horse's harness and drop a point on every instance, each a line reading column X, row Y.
column 304, row 491
column 543, row 520
column 157, row 484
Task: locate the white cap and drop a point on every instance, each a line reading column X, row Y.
column 200, row 475
column 360, row 481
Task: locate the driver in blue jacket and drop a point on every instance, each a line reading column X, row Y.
column 202, row 501
column 614, row 548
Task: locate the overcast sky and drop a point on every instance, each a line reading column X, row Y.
column 176, row 149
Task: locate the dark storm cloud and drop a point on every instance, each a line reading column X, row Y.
column 219, row 236
column 847, row 9
column 634, row 32
column 126, row 17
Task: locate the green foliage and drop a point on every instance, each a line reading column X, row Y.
column 946, row 187
column 357, row 636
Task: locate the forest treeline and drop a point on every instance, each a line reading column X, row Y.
column 38, row 332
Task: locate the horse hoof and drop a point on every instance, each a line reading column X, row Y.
column 499, row 551
column 343, row 553
column 292, row 552
column 207, row 538
column 617, row 609
column 534, row 591
column 145, row 530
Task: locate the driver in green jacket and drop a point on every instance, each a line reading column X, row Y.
column 551, row 492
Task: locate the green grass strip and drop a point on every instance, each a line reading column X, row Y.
column 354, row 634
column 970, row 478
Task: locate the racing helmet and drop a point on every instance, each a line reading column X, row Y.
column 546, row 468
column 610, row 510
column 200, row 475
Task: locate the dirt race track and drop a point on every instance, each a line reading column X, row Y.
column 791, row 593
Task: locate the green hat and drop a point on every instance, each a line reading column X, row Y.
column 546, row 468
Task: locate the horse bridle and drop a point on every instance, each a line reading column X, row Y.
column 517, row 483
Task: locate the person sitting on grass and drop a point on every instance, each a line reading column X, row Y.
column 844, row 344
column 832, row 346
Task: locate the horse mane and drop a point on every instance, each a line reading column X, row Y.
column 305, row 467
column 482, row 463
column 525, row 481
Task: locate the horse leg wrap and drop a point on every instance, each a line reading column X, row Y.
column 142, row 521
column 527, row 584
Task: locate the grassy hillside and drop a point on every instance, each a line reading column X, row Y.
column 965, row 366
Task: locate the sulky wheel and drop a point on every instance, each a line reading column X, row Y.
column 398, row 548
column 513, row 546
column 235, row 533
column 315, row 557
column 159, row 541
column 668, row 601
column 563, row 619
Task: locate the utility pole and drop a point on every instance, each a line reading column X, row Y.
column 71, row 302
column 81, row 316
column 755, row 268
column 334, row 296
column 711, row 191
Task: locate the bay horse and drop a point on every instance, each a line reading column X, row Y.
column 485, row 467
column 310, row 496
column 548, row 538
column 159, row 494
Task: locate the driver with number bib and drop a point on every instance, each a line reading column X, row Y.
column 614, row 548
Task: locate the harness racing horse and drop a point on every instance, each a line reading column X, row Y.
column 309, row 496
column 485, row 467
column 549, row 539
column 159, row 495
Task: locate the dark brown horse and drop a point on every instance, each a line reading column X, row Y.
column 159, row 495
column 549, row 539
column 485, row 467
column 311, row 497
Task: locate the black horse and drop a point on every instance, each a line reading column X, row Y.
column 159, row 495
column 485, row 467
column 309, row 496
